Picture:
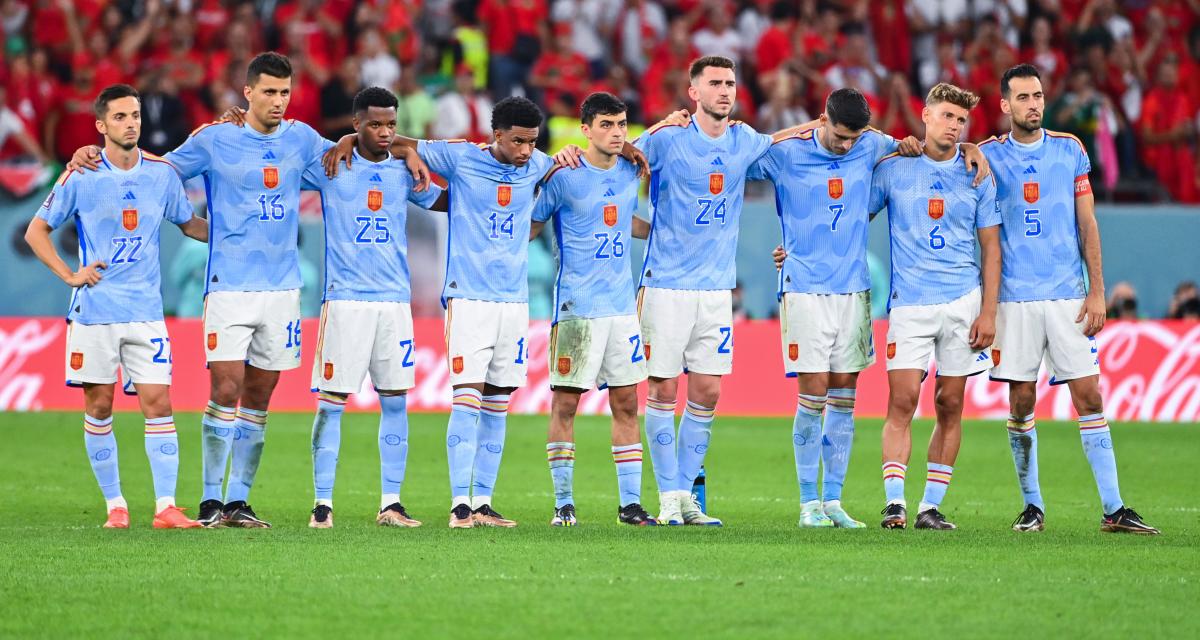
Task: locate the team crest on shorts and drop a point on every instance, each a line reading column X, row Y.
column 456, row 364
column 995, row 357
column 793, row 351
column 891, row 350
column 716, row 183
column 646, row 348
column 328, row 371
column 610, row 214
column 270, row 177
column 937, row 208
column 1031, row 192
column 374, row 200
column 212, row 341
column 76, row 360
column 835, row 188
column 129, row 219
column 564, row 365
column 503, row 195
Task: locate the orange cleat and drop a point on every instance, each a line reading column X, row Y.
column 173, row 518
column 117, row 519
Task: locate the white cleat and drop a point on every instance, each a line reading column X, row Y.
column 668, row 509
column 692, row 514
column 841, row 519
column 812, row 516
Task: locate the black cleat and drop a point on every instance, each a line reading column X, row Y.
column 210, row 514
column 461, row 517
column 1031, row 519
column 322, row 517
column 933, row 519
column 564, row 516
column 1126, row 520
column 239, row 514
column 895, row 516
column 635, row 515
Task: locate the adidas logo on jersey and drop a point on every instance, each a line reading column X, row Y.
column 834, row 166
column 129, row 196
column 609, row 193
column 375, row 178
column 269, row 155
column 1030, row 169
column 717, row 162
column 938, row 186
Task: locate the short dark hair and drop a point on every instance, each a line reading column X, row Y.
column 700, row 64
column 600, row 104
column 848, row 107
column 269, row 63
column 110, row 93
column 374, row 97
column 1023, row 70
column 516, row 111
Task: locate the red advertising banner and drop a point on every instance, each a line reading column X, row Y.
column 1151, row 372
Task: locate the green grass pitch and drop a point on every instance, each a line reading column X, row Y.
column 759, row 576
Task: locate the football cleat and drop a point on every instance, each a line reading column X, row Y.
column 461, row 518
column 1031, row 519
column 933, row 519
column 211, row 514
column 1126, row 520
column 239, row 514
column 668, row 509
column 322, row 517
column 813, row 517
column 840, row 518
column 692, row 515
column 172, row 518
column 118, row 518
column 635, row 515
column 895, row 516
column 485, row 516
column 394, row 515
column 564, row 516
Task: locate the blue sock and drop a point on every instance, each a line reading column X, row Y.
column 561, row 457
column 101, row 447
column 893, row 481
column 162, row 447
column 217, row 437
column 937, row 481
column 806, row 443
column 460, row 443
column 326, row 441
column 836, row 442
column 628, row 458
column 393, row 446
column 1098, row 447
column 695, row 429
column 1022, row 439
column 493, row 417
column 660, row 433
column 249, row 431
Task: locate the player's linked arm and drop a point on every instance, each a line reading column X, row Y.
column 975, row 159
column 983, row 331
column 37, row 236
column 1092, row 314
column 403, row 148
column 196, row 228
column 641, row 228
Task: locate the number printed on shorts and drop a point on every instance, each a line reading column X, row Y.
column 407, row 345
column 710, row 209
column 1033, row 226
column 726, row 340
column 293, row 332
column 270, row 208
column 163, row 355
column 521, row 352
column 127, row 249
column 367, row 224
column 936, row 240
column 501, row 225
column 609, row 248
column 636, row 341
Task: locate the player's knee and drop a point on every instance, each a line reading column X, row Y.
column 948, row 402
column 564, row 405
column 902, row 404
column 1089, row 402
column 1022, row 398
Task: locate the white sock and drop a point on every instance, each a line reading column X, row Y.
column 117, row 503
column 833, row 504
column 325, row 502
column 163, row 503
column 477, row 502
column 925, row 506
column 457, row 500
column 388, row 500
column 899, row 502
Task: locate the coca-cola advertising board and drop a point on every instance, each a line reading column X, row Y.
column 1150, row 372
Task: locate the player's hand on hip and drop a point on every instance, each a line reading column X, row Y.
column 779, row 255
column 85, row 158
column 568, row 156
column 909, row 147
column 983, row 331
column 340, row 152
column 1092, row 314
column 976, row 160
column 87, row 276
column 234, row 115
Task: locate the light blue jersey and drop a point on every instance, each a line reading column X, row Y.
column 1036, row 185
column 821, row 198
column 366, row 209
column 593, row 221
column 252, row 181
column 697, row 184
column 490, row 207
column 934, row 213
column 118, row 214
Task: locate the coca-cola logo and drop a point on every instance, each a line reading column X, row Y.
column 19, row 388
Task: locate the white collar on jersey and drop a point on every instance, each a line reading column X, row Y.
column 359, row 157
column 944, row 163
column 115, row 169
column 1029, row 146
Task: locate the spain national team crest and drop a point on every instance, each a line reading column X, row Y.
column 456, row 364
column 328, row 371
column 503, row 195
column 212, row 341
column 564, row 365
column 716, row 183
column 937, row 208
column 793, row 351
column 995, row 357
column 270, row 177
column 129, row 219
column 76, row 360
column 891, row 350
column 646, row 348
column 374, row 199
column 610, row 214
column 1031, row 192
column 835, row 188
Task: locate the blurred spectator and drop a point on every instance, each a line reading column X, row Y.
column 12, row 127
column 718, row 37
column 71, row 123
column 902, row 117
column 1122, row 302
column 1043, row 54
column 1168, row 132
column 337, row 96
column 560, row 69
column 463, row 113
column 164, row 125
column 775, row 44
column 890, row 28
column 516, row 30
column 417, row 110
column 590, row 22
column 785, row 105
column 854, row 67
column 468, row 45
column 314, row 29
column 638, row 28
column 1185, row 304
column 617, row 83
column 379, row 67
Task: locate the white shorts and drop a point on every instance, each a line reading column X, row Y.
column 96, row 351
column 1028, row 332
column 259, row 327
column 826, row 332
column 487, row 342
column 601, row 352
column 358, row 337
column 684, row 330
column 943, row 331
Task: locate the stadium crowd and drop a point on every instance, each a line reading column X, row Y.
column 1120, row 75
